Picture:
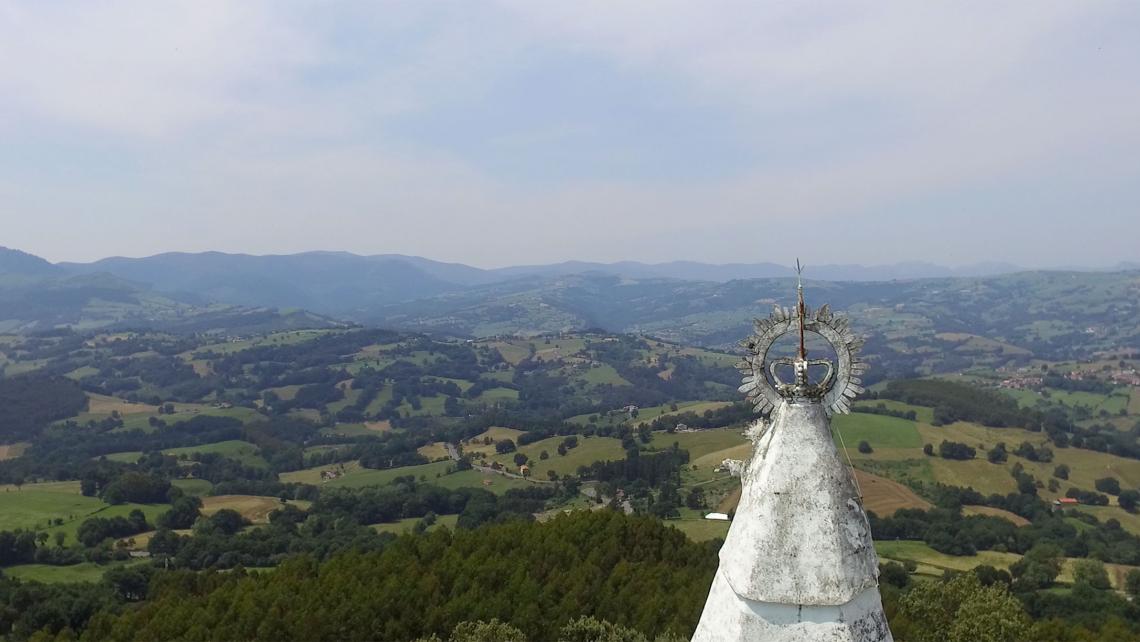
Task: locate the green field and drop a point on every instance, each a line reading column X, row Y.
column 494, row 395
column 878, row 430
column 907, row 464
column 434, row 473
column 70, row 527
column 924, row 556
column 700, row 442
column 599, row 374
column 588, row 451
column 493, row 482
column 699, row 529
column 649, row 413
column 291, row 337
column 1095, row 402
column 371, row 428
column 85, row 572
column 922, row 413
column 356, row 476
column 428, row 406
column 33, row 506
column 406, row 525
column 243, row 451
column 931, row 562
column 193, row 487
column 350, row 396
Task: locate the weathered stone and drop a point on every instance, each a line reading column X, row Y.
column 798, row 564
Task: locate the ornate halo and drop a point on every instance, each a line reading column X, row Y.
column 842, row 388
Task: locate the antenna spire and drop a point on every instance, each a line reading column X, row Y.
column 801, row 308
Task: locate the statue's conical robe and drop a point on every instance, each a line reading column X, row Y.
column 798, row 564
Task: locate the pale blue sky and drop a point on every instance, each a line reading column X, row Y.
column 520, row 131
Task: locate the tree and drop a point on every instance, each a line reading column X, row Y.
column 997, row 454
column 136, row 487
column 955, row 450
column 1061, row 471
column 451, row 407
column 224, row 522
column 1038, row 568
column 520, row 459
column 164, row 542
column 493, row 631
column 961, row 610
column 695, row 499
column 182, row 514
column 1092, row 573
column 894, row 574
column 130, row 582
column 1128, row 500
column 589, row 629
column 1132, row 582
column 504, row 446
column 928, row 450
column 1109, row 485
column 543, row 456
column 865, row 447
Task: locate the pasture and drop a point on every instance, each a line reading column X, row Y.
column 1013, row 518
column 12, row 451
column 880, row 496
column 358, row 429
column 922, row 413
column 59, row 507
column 34, row 506
column 193, row 487
column 881, row 431
column 255, row 508
column 406, row 525
column 588, row 451
column 699, row 529
column 84, row 572
column 476, row 445
column 884, row 496
column 931, row 562
column 105, row 405
column 284, row 338
column 354, row 475
column 927, row 558
column 513, row 351
column 496, row 395
column 434, row 451
column 243, row 451
column 601, row 374
column 493, row 482
column 700, row 442
column 71, row 526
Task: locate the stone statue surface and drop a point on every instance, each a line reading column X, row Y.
column 798, row 564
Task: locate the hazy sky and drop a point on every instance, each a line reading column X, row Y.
column 522, row 131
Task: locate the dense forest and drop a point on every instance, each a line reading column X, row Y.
column 632, row 576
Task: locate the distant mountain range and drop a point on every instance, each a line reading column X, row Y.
column 413, row 276
column 912, row 309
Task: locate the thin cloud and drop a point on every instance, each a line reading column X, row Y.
column 141, row 128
